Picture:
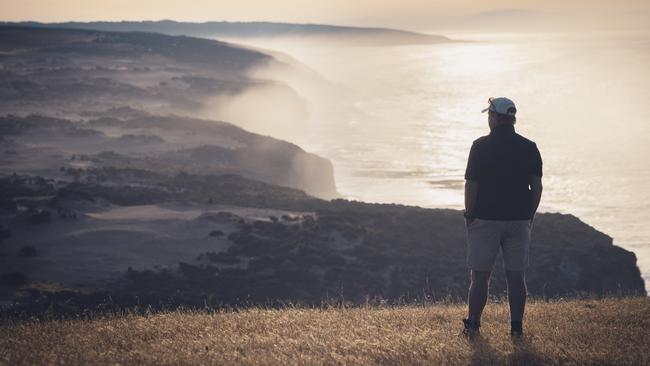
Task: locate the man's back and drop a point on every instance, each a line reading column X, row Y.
column 503, row 163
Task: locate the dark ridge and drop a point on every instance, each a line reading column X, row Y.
column 54, row 40
column 253, row 29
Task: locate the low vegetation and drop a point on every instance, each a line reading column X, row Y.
column 565, row 332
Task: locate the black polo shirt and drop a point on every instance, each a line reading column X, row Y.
column 503, row 163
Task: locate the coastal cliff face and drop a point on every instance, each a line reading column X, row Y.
column 67, row 150
column 131, row 99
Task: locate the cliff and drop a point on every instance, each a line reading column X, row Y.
column 193, row 240
column 146, row 101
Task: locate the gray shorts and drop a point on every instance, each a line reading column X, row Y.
column 485, row 237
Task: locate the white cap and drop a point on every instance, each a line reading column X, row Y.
column 501, row 105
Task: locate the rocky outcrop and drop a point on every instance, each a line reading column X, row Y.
column 569, row 256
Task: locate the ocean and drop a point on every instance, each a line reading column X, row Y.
column 400, row 122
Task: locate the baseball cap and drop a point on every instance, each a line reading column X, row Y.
column 501, row 105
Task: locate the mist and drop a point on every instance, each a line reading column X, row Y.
column 271, row 109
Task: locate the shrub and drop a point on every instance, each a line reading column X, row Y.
column 42, row 217
column 13, row 279
column 223, row 257
column 8, row 204
column 28, row 251
column 4, row 233
column 216, row 233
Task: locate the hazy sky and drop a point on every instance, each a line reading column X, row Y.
column 413, row 14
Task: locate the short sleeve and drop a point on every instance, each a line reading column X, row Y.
column 473, row 169
column 536, row 164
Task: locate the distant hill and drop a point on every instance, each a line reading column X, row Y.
column 343, row 34
column 507, row 13
column 514, row 17
column 60, row 41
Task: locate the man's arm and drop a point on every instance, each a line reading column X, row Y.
column 536, row 190
column 472, row 177
column 535, row 181
column 471, row 193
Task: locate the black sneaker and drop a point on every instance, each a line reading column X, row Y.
column 516, row 329
column 471, row 328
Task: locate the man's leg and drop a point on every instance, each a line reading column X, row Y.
column 478, row 294
column 483, row 238
column 516, row 294
column 515, row 247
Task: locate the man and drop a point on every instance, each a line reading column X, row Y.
column 503, row 188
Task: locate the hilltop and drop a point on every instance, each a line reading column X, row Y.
column 614, row 331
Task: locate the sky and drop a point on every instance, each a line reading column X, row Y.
column 408, row 14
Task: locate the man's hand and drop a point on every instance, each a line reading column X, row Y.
column 471, row 193
column 468, row 218
column 536, row 193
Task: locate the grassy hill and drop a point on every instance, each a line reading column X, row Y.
column 612, row 331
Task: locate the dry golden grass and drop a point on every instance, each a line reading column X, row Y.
column 610, row 331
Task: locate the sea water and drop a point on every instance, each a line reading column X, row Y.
column 402, row 120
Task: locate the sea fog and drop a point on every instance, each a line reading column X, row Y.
column 397, row 122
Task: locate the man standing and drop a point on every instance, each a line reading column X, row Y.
column 503, row 188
